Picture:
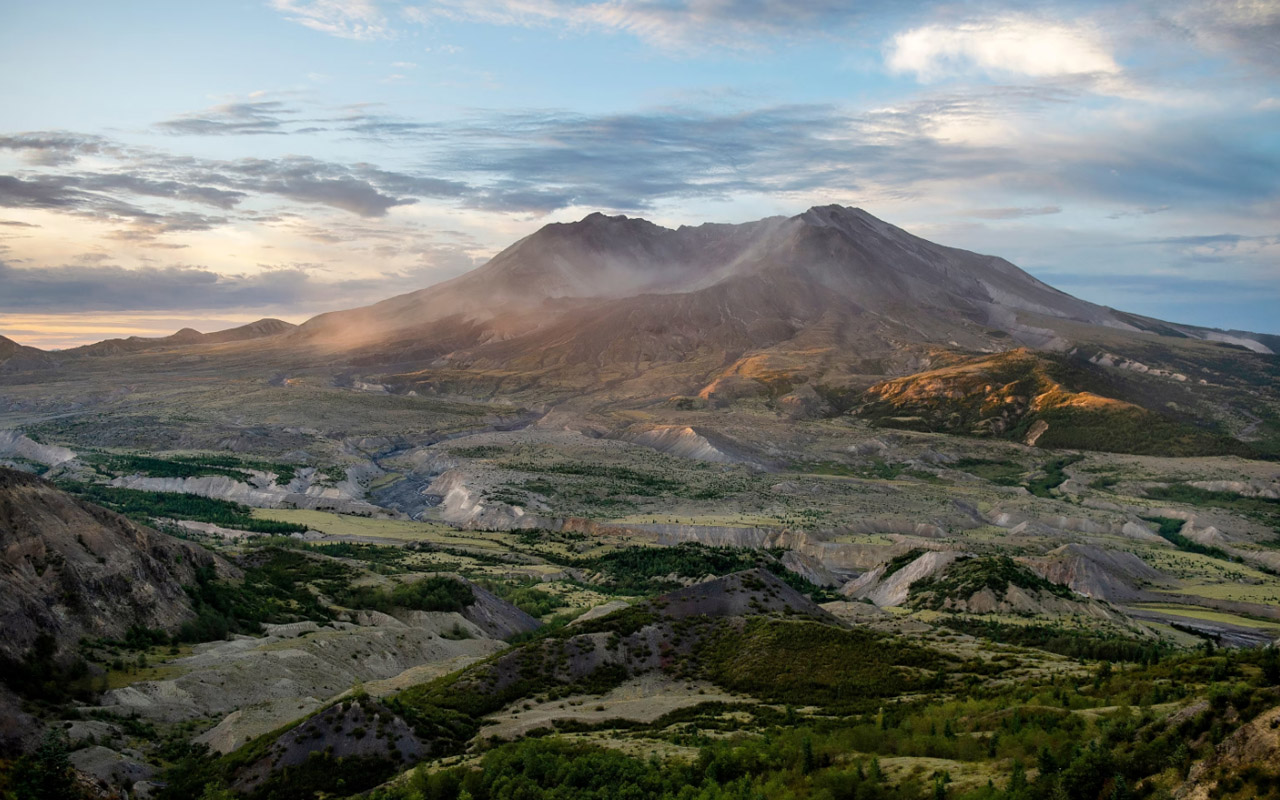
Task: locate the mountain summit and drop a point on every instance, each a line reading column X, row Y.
column 858, row 261
column 630, row 308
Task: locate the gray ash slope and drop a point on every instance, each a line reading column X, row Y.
column 845, row 252
column 628, row 307
column 72, row 569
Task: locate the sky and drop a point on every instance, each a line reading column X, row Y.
column 206, row 164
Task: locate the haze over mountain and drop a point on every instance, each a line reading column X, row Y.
column 623, row 307
column 846, row 254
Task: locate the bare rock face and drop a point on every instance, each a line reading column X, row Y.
column 72, row 569
column 682, row 441
column 495, row 616
column 1255, row 488
column 893, row 588
column 1254, row 747
column 464, row 505
column 19, row 731
column 14, row 444
column 357, row 729
column 1112, row 575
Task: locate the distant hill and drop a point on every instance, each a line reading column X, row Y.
column 187, row 336
column 15, row 357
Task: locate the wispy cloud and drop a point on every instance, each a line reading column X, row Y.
column 543, row 160
column 673, row 25
column 56, row 148
column 242, row 118
column 1245, row 30
column 107, row 288
column 349, row 19
column 122, row 185
column 1011, row 213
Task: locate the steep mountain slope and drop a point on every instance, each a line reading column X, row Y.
column 1111, row 575
column 1054, row 400
column 71, row 569
column 607, row 297
column 831, row 251
column 620, row 309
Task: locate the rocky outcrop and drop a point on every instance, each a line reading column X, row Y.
column 112, row 768
column 465, row 506
column 360, row 729
column 495, row 616
column 809, row 568
column 1111, row 575
column 262, row 493
column 1254, row 748
column 1024, row 601
column 684, row 442
column 72, row 569
column 301, row 664
column 1255, row 488
column 15, row 445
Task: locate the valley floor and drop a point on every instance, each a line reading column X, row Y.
column 934, row 615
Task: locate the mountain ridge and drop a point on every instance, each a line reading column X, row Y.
column 602, row 257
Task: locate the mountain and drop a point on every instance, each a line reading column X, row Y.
column 187, row 336
column 613, row 290
column 71, row 569
column 607, row 299
column 806, row 313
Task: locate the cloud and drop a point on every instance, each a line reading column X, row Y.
column 165, row 188
column 1004, row 46
column 57, row 148
column 113, row 288
column 127, row 190
column 70, row 194
column 1191, row 164
column 1225, row 247
column 1012, row 213
column 310, row 180
column 543, row 160
column 361, row 20
column 540, row 161
column 669, row 24
column 1245, row 30
column 243, row 118
column 1143, row 211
